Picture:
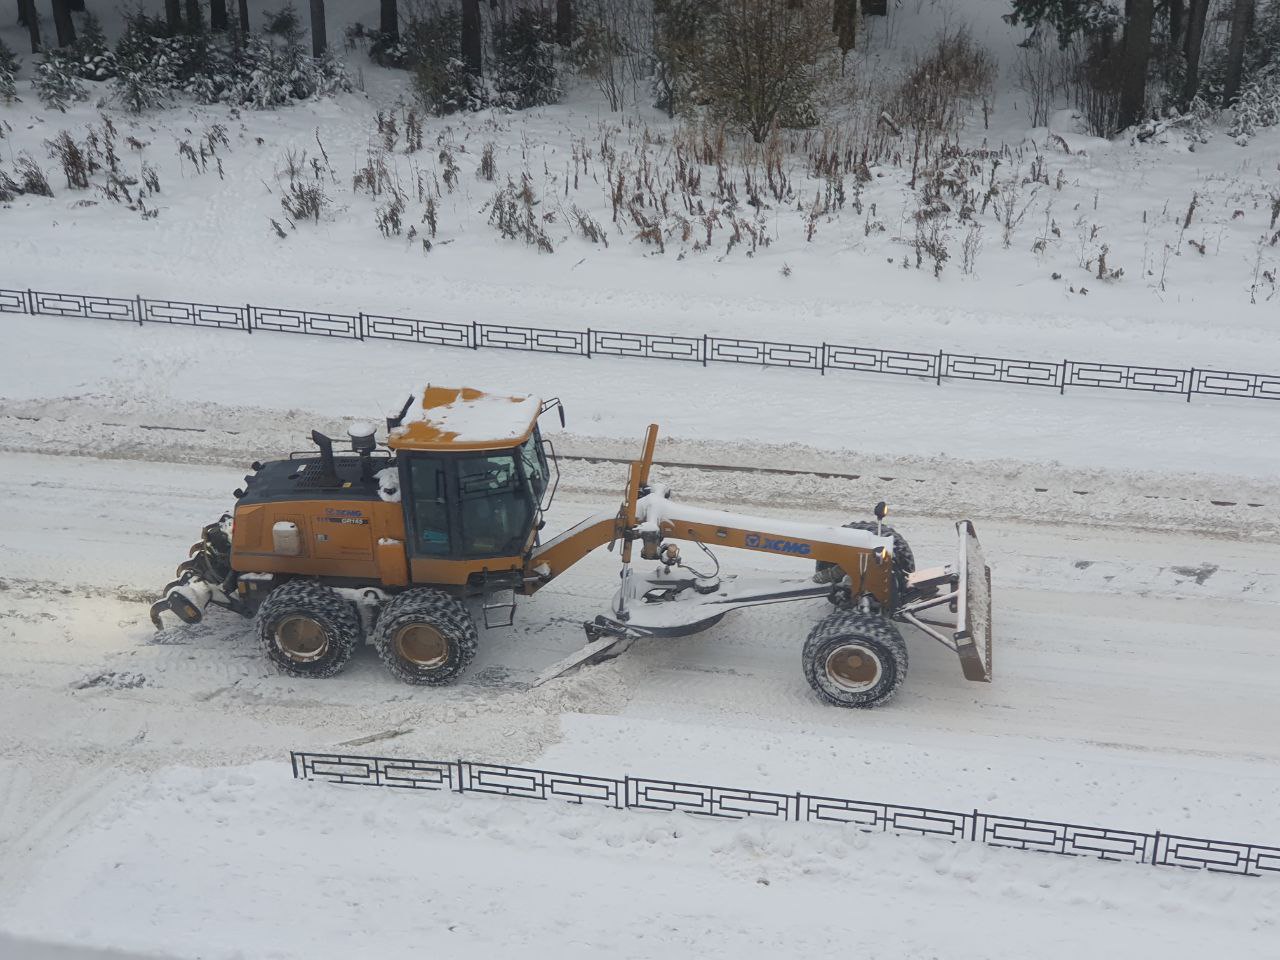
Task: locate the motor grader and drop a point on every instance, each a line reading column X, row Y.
column 396, row 544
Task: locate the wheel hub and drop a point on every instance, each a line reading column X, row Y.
column 422, row 645
column 853, row 667
column 302, row 639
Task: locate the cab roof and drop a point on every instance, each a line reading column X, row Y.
column 461, row 418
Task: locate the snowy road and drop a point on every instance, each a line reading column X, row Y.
column 1135, row 687
column 1139, row 669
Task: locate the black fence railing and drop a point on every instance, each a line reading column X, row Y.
column 641, row 793
column 939, row 366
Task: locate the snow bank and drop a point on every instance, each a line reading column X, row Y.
column 195, row 862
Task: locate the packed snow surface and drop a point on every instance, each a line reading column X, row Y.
column 1134, row 540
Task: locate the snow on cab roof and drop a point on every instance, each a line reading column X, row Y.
column 462, row 418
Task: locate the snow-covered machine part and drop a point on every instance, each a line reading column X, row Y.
column 964, row 589
column 973, row 615
column 204, row 577
column 664, row 603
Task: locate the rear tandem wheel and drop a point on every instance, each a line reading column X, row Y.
column 306, row 629
column 425, row 637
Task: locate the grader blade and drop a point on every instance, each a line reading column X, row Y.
column 600, row 647
column 973, row 610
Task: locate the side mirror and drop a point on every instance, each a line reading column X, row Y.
column 882, row 510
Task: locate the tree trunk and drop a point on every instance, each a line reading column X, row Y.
column 33, row 22
column 1137, row 52
column 471, row 54
column 63, row 24
column 195, row 16
column 244, row 17
column 173, row 15
column 390, row 25
column 319, row 40
column 875, row 8
column 1177, row 21
column 844, row 23
column 217, row 14
column 564, row 22
column 1241, row 23
column 1191, row 46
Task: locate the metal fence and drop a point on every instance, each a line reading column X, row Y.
column 641, row 793
column 939, row 366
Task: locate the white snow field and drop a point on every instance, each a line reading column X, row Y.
column 147, row 807
column 148, row 804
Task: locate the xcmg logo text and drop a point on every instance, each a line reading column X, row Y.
column 757, row 541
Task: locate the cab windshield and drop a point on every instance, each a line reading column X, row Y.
column 496, row 501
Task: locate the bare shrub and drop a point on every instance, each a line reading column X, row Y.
column 604, row 50
column 31, row 179
column 374, row 177
column 939, row 85
column 9, row 189
column 488, row 168
column 304, row 200
column 451, row 168
column 412, row 131
column 387, row 129
column 757, row 64
column 970, row 247
column 295, row 163
column 1010, row 207
column 1096, row 80
column 389, row 216
column 74, row 160
column 512, row 213
column 1044, row 75
column 588, row 226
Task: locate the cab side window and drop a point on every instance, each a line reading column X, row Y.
column 430, row 507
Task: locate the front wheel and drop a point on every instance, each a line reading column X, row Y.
column 855, row 659
column 425, row 637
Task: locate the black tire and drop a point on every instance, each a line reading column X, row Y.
column 306, row 629
column 425, row 637
column 855, row 659
column 904, row 560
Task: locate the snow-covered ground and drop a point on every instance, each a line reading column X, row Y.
column 146, row 802
column 126, row 790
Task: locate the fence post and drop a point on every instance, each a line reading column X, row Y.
column 1062, row 387
column 822, row 359
column 137, row 297
column 626, row 792
column 973, row 827
column 1155, row 850
column 293, row 762
column 588, row 343
column 475, row 335
column 461, row 789
column 938, row 381
column 360, row 325
column 705, row 347
column 248, row 317
column 31, row 301
column 1191, row 379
